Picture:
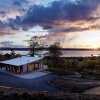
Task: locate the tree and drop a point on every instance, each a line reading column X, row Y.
column 55, row 52
column 7, row 55
column 12, row 53
column 35, row 43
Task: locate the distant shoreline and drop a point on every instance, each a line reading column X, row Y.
column 27, row 49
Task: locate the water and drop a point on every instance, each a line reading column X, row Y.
column 67, row 53
column 17, row 52
column 80, row 53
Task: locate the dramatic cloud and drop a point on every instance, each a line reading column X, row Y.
column 5, row 29
column 20, row 2
column 2, row 34
column 61, row 11
column 57, row 12
column 6, row 43
column 59, row 18
column 3, row 13
column 10, row 44
column 13, row 8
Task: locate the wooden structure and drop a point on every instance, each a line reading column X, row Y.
column 22, row 64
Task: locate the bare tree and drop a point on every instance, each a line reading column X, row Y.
column 12, row 53
column 35, row 43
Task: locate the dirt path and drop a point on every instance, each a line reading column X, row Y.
column 74, row 85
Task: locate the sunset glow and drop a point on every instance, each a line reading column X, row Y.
column 74, row 23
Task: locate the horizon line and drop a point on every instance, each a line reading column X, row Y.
column 41, row 48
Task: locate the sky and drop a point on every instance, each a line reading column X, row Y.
column 73, row 23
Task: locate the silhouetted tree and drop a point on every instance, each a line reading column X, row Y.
column 7, row 55
column 35, row 43
column 12, row 53
column 55, row 52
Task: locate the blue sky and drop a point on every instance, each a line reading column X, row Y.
column 75, row 23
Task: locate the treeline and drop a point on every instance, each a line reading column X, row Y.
column 8, row 56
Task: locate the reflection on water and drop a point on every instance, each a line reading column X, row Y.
column 80, row 53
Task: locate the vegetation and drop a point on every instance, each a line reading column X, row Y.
column 86, row 67
column 55, row 52
column 8, row 56
column 35, row 43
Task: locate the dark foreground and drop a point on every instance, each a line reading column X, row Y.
column 75, row 85
column 24, row 94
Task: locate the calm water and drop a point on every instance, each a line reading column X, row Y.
column 80, row 53
column 67, row 53
column 20, row 52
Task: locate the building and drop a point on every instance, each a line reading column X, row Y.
column 22, row 64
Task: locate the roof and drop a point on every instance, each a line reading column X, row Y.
column 21, row 60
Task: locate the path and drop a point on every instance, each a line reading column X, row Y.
column 37, row 84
